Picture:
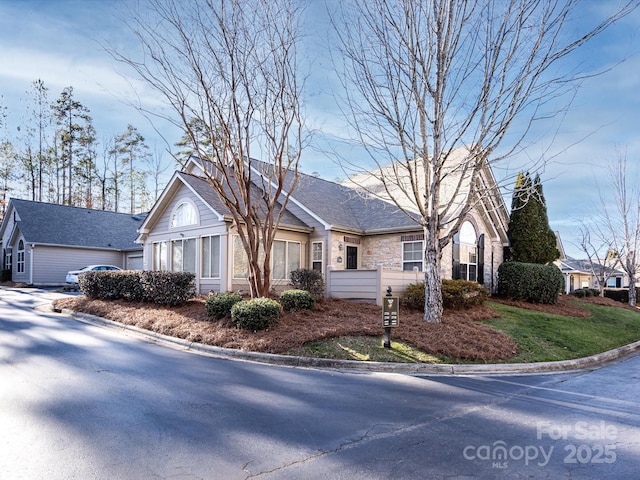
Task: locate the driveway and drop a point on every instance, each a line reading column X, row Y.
column 82, row 402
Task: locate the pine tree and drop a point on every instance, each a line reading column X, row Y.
column 530, row 237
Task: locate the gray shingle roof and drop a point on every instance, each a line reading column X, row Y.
column 47, row 223
column 342, row 206
column 206, row 192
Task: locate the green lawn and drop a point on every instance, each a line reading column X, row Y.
column 542, row 337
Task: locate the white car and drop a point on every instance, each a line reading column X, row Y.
column 72, row 276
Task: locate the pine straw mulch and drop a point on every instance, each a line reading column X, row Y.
column 460, row 335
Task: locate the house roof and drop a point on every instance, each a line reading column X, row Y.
column 340, row 206
column 51, row 224
column 572, row 265
column 208, row 195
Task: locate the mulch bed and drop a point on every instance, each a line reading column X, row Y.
column 460, row 335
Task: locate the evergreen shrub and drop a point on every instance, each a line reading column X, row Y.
column 530, row 282
column 255, row 314
column 456, row 295
column 309, row 280
column 621, row 295
column 461, row 294
column 164, row 288
column 218, row 305
column 297, row 300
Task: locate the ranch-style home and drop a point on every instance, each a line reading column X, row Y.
column 41, row 242
column 361, row 244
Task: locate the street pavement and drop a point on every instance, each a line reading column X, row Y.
column 80, row 401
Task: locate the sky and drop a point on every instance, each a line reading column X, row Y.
column 61, row 42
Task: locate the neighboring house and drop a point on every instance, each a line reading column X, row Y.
column 41, row 242
column 360, row 243
column 579, row 274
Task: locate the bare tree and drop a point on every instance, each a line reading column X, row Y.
column 156, row 168
column 230, row 68
column 433, row 87
column 601, row 253
column 619, row 218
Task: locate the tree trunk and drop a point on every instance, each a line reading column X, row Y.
column 632, row 291
column 432, row 282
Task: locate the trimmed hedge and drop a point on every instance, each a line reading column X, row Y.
column 297, row 300
column 456, row 295
column 218, row 305
column 621, row 295
column 586, row 292
column 530, row 282
column 309, row 280
column 163, row 288
column 255, row 314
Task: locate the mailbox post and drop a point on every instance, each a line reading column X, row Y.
column 390, row 316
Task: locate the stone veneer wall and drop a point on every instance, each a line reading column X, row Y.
column 382, row 250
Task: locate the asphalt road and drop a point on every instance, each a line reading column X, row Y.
column 79, row 401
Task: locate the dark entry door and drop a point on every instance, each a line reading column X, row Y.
column 352, row 258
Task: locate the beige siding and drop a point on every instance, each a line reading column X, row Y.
column 51, row 264
column 354, row 284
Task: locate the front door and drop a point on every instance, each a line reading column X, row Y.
column 352, row 258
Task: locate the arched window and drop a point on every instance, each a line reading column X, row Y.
column 20, row 259
column 184, row 214
column 468, row 254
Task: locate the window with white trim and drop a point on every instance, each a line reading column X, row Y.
column 468, row 252
column 20, row 259
column 159, row 259
column 8, row 257
column 211, row 256
column 316, row 256
column 183, row 255
column 285, row 259
column 184, row 214
column 412, row 253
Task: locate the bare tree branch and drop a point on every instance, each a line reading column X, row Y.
column 432, row 88
column 231, row 66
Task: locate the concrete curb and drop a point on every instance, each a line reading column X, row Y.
column 579, row 364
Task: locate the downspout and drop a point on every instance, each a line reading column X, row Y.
column 227, row 285
column 33, row 247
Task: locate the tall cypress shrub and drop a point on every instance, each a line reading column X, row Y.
column 530, row 236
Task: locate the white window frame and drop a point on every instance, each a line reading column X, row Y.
column 159, row 256
column 8, row 258
column 468, row 252
column 181, row 267
column 287, row 260
column 240, row 258
column 184, row 214
column 315, row 254
column 210, row 265
column 413, row 261
column 20, row 257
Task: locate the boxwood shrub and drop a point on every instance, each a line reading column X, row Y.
column 456, row 294
column 530, row 282
column 297, row 300
column 255, row 314
column 218, row 305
